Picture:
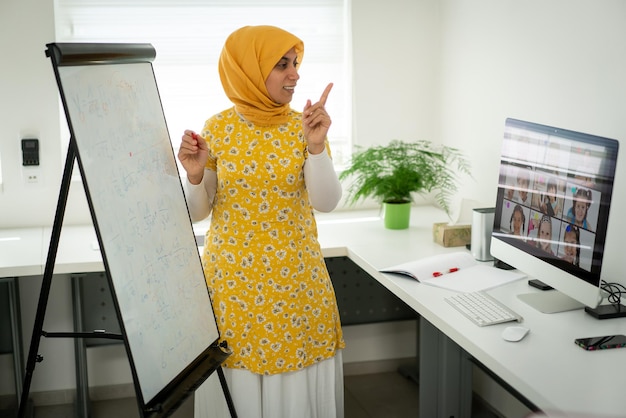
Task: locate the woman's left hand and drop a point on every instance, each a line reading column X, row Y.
column 316, row 122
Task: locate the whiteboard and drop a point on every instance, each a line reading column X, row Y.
column 140, row 213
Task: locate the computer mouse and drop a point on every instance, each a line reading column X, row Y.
column 514, row 333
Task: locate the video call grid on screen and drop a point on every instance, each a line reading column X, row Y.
column 554, row 194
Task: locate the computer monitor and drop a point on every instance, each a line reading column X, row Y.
column 552, row 210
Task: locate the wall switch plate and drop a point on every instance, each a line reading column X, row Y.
column 30, row 151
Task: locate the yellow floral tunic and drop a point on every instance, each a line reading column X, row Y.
column 271, row 293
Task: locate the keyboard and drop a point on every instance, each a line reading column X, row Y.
column 482, row 309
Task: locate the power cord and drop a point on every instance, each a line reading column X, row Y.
column 614, row 309
column 615, row 291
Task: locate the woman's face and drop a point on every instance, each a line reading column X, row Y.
column 545, row 234
column 281, row 82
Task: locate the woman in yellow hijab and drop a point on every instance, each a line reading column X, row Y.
column 259, row 169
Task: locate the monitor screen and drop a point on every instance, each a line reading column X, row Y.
column 552, row 207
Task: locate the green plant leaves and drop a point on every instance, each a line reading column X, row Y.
column 390, row 173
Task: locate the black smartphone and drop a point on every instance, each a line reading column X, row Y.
column 601, row 343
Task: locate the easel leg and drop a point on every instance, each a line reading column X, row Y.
column 229, row 400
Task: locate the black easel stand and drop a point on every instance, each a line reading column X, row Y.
column 38, row 332
column 229, row 399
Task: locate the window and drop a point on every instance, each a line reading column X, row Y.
column 188, row 37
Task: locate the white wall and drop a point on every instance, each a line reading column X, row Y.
column 396, row 70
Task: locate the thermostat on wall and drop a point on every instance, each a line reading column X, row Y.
column 30, row 151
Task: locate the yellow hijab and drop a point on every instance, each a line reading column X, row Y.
column 248, row 57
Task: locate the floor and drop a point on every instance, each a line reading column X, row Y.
column 379, row 395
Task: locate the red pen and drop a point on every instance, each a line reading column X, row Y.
column 450, row 270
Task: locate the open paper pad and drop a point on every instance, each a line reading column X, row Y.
column 455, row 271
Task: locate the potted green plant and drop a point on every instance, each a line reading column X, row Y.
column 391, row 173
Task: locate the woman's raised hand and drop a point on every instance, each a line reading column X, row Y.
column 316, row 122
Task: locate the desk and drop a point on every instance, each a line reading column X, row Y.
column 546, row 367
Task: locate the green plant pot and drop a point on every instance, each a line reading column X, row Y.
column 396, row 215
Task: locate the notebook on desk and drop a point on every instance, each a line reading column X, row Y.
column 457, row 271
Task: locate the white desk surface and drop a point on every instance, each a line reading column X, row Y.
column 546, row 366
column 78, row 250
column 20, row 252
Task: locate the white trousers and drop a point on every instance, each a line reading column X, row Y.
column 315, row 392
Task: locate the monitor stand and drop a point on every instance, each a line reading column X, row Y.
column 550, row 301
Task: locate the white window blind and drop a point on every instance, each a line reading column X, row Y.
column 188, row 36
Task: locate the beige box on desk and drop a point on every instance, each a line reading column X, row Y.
column 452, row 235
